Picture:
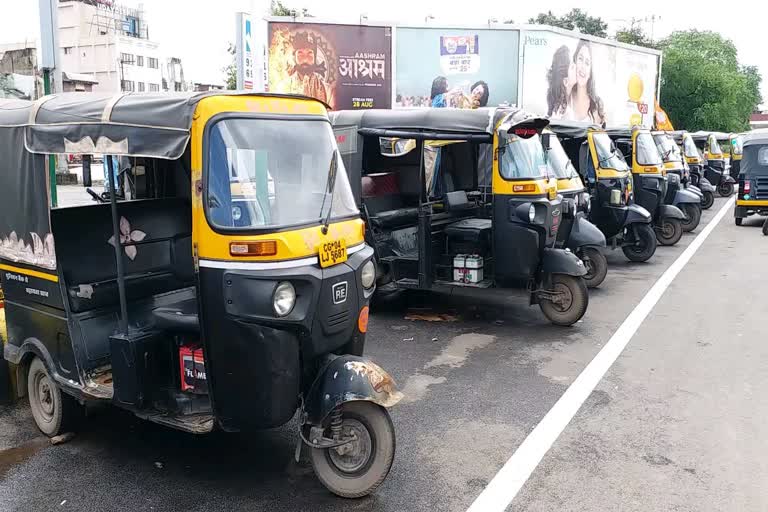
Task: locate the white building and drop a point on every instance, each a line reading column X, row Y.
column 110, row 43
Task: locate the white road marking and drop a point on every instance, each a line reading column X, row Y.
column 500, row 492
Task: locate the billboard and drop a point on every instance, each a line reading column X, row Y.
column 566, row 77
column 433, row 61
column 346, row 66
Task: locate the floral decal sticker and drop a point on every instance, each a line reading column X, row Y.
column 127, row 236
column 40, row 254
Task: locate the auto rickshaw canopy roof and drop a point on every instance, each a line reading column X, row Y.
column 155, row 125
column 572, row 129
column 756, row 137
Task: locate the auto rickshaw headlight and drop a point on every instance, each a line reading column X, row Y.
column 615, row 197
column 532, row 214
column 368, row 274
column 586, row 201
column 284, row 298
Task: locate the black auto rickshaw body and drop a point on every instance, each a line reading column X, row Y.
column 609, row 182
column 650, row 181
column 577, row 233
column 461, row 205
column 715, row 167
column 679, row 192
column 752, row 197
column 197, row 304
column 694, row 162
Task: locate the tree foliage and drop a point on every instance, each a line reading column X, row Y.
column 703, row 86
column 634, row 35
column 278, row 8
column 574, row 19
column 230, row 72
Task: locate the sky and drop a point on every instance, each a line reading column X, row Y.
column 199, row 31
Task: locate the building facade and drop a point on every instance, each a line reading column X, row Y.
column 110, row 44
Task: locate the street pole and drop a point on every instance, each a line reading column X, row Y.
column 51, row 158
column 49, row 60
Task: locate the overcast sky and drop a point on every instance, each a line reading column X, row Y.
column 199, row 31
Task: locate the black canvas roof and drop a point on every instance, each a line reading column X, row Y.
column 574, row 129
column 756, row 137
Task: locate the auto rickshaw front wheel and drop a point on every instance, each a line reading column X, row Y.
column 596, row 264
column 725, row 189
column 708, row 200
column 643, row 245
column 692, row 212
column 357, row 468
column 670, row 231
column 53, row 411
column 567, row 300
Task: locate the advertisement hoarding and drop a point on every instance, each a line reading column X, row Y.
column 346, row 66
column 566, row 77
column 464, row 58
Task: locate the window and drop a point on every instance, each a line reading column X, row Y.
column 607, row 156
column 154, row 87
column 762, row 157
column 141, row 87
column 646, row 151
column 127, row 58
column 68, row 50
column 272, row 172
column 128, row 85
column 139, row 60
column 689, row 147
column 152, row 62
column 523, row 158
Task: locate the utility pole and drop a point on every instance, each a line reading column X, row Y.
column 49, row 46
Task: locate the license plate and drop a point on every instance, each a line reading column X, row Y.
column 333, row 253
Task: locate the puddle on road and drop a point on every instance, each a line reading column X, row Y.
column 19, row 454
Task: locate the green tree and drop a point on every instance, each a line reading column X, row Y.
column 230, row 72
column 703, row 86
column 278, row 8
column 575, row 18
column 634, row 35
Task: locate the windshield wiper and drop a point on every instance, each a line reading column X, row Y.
column 330, row 185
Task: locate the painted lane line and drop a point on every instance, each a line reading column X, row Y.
column 507, row 483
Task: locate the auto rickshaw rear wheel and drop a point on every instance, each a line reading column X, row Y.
column 53, row 411
column 670, row 231
column 725, row 189
column 765, row 227
column 692, row 213
column 739, row 220
column 708, row 200
column 596, row 265
column 643, row 246
column 571, row 302
column 356, row 469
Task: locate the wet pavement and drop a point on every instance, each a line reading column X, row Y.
column 676, row 423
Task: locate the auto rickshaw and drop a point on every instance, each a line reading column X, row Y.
column 466, row 205
column 752, row 197
column 609, row 181
column 736, row 142
column 714, row 163
column 173, row 305
column 650, row 181
column 687, row 198
column 577, row 234
column 695, row 163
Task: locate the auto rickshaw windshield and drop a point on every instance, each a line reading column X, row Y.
column 645, row 150
column 558, row 160
column 667, row 147
column 738, row 145
column 273, row 173
column 689, row 148
column 714, row 147
column 523, row 158
column 607, row 155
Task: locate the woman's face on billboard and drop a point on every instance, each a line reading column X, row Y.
column 583, row 66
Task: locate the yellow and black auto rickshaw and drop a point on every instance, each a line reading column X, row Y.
column 467, row 205
column 752, row 196
column 694, row 161
column 230, row 292
column 679, row 191
column 609, row 182
column 715, row 169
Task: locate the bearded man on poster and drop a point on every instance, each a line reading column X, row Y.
column 307, row 77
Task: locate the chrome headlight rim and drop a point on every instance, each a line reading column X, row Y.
column 368, row 275
column 283, row 299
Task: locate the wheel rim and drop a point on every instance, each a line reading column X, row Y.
column 44, row 396
column 566, row 298
column 667, row 230
column 354, row 456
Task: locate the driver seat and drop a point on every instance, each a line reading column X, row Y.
column 182, row 318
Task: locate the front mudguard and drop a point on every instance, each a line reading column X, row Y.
column 696, row 190
column 705, row 185
column 584, row 234
column 561, row 261
column 667, row 211
column 343, row 379
column 727, row 179
column 636, row 214
column 687, row 196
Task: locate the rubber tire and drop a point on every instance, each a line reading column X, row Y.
column 708, row 200
column 647, row 247
column 765, row 227
column 739, row 220
column 580, row 295
column 379, row 425
column 66, row 410
column 692, row 211
column 677, row 232
column 725, row 189
column 598, row 262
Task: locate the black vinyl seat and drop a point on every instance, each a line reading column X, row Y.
column 469, row 235
column 181, row 318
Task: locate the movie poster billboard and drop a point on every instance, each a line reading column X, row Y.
column 565, row 77
column 346, row 66
column 456, row 67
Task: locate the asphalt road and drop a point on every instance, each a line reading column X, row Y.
column 676, row 424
